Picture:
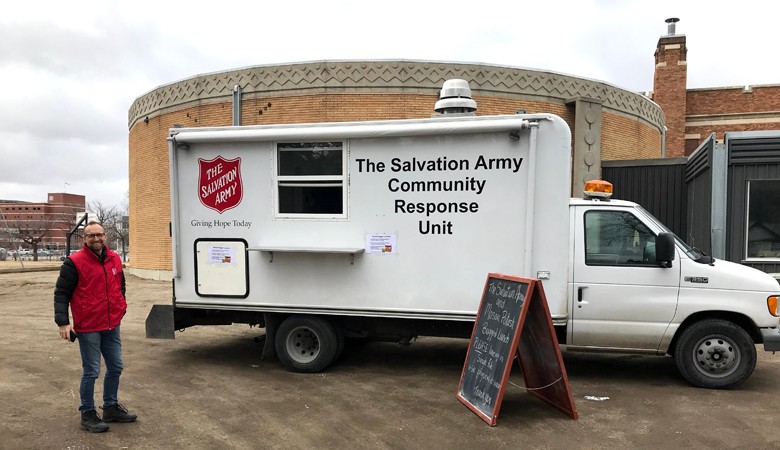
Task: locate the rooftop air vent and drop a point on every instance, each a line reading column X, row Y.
column 455, row 98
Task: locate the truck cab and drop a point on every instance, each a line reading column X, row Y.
column 626, row 296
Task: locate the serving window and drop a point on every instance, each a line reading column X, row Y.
column 310, row 180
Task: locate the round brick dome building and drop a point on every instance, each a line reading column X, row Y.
column 607, row 122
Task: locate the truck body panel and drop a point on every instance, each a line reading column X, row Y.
column 480, row 178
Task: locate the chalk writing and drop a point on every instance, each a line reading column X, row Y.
column 492, row 341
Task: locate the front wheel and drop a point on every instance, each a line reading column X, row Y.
column 306, row 344
column 715, row 354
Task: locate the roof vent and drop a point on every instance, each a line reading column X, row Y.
column 671, row 21
column 455, row 98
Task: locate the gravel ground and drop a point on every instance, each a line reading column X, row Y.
column 209, row 389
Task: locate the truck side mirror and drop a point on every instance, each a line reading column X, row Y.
column 664, row 249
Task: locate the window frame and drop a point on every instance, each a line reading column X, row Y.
column 654, row 264
column 746, row 218
column 302, row 179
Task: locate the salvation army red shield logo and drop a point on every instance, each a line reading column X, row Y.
column 219, row 183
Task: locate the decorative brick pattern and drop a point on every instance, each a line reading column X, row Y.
column 411, row 77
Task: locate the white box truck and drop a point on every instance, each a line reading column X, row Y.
column 387, row 230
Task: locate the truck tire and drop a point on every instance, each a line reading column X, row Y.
column 306, row 344
column 339, row 341
column 715, row 354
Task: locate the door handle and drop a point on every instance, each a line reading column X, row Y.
column 580, row 297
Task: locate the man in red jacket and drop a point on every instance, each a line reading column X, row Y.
column 91, row 281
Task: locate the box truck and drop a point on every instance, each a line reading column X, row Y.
column 387, row 230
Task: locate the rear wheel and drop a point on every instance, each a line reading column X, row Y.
column 306, row 344
column 715, row 354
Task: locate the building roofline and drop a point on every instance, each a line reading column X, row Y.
column 747, row 87
column 400, row 60
column 387, row 75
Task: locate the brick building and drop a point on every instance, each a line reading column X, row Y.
column 50, row 220
column 693, row 114
column 608, row 123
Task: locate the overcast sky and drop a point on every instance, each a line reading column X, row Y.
column 69, row 71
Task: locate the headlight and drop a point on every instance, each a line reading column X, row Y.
column 771, row 303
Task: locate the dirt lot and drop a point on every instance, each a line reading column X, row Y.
column 209, row 389
column 11, row 264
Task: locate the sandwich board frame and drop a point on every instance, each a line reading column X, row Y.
column 513, row 320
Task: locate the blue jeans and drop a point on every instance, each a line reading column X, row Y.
column 92, row 345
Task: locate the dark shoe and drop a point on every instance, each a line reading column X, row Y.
column 91, row 422
column 117, row 413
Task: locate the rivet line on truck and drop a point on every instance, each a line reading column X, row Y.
column 386, row 230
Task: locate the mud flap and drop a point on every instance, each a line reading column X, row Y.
column 272, row 322
column 159, row 322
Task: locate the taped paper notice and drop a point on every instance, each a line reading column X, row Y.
column 222, row 254
column 380, row 243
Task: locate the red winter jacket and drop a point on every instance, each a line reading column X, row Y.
column 97, row 302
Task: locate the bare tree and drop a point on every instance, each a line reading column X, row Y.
column 108, row 216
column 105, row 214
column 68, row 221
column 123, row 229
column 32, row 231
column 7, row 237
column 114, row 219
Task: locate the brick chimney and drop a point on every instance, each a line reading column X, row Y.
column 669, row 87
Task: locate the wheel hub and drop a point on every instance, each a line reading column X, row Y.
column 303, row 345
column 716, row 356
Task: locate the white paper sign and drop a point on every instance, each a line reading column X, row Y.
column 222, row 255
column 380, row 243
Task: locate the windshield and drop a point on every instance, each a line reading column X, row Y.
column 693, row 254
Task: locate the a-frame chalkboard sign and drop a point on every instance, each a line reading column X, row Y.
column 513, row 319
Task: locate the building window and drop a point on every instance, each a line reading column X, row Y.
column 616, row 238
column 310, row 180
column 763, row 219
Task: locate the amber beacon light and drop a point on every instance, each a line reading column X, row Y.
column 598, row 188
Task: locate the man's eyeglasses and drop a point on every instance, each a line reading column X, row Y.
column 94, row 235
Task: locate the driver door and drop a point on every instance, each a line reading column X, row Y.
column 622, row 297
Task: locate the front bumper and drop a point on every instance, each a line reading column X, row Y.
column 771, row 337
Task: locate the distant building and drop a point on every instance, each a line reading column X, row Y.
column 52, row 219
